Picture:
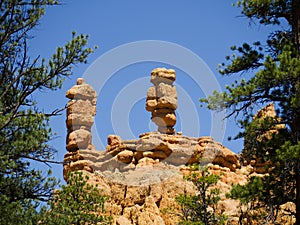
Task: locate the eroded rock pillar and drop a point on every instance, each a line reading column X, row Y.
column 162, row 99
column 81, row 110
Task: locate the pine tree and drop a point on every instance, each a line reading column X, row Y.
column 200, row 209
column 273, row 70
column 24, row 128
column 78, row 203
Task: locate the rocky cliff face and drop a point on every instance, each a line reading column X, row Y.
column 143, row 176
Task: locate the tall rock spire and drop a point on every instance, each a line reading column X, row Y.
column 162, row 99
column 81, row 110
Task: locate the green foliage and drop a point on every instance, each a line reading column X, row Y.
column 24, row 128
column 267, row 11
column 262, row 196
column 200, row 209
column 249, row 192
column 77, row 203
column 261, row 141
column 275, row 82
column 248, row 58
column 18, row 212
column 289, row 151
column 275, row 69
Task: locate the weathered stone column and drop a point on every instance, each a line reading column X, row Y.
column 81, row 110
column 162, row 99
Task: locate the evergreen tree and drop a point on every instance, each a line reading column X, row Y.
column 274, row 76
column 77, row 203
column 24, row 128
column 200, row 209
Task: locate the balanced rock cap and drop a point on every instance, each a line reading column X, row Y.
column 163, row 75
column 81, row 91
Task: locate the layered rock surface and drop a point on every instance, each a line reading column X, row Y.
column 152, row 148
column 149, row 190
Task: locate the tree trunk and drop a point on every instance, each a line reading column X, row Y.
column 296, row 31
column 298, row 25
column 297, row 198
column 296, row 22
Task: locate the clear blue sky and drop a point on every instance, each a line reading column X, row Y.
column 205, row 28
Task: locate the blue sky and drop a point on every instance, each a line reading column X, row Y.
column 206, row 29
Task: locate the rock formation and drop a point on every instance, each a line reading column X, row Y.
column 162, row 99
column 142, row 177
column 154, row 147
column 81, row 110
